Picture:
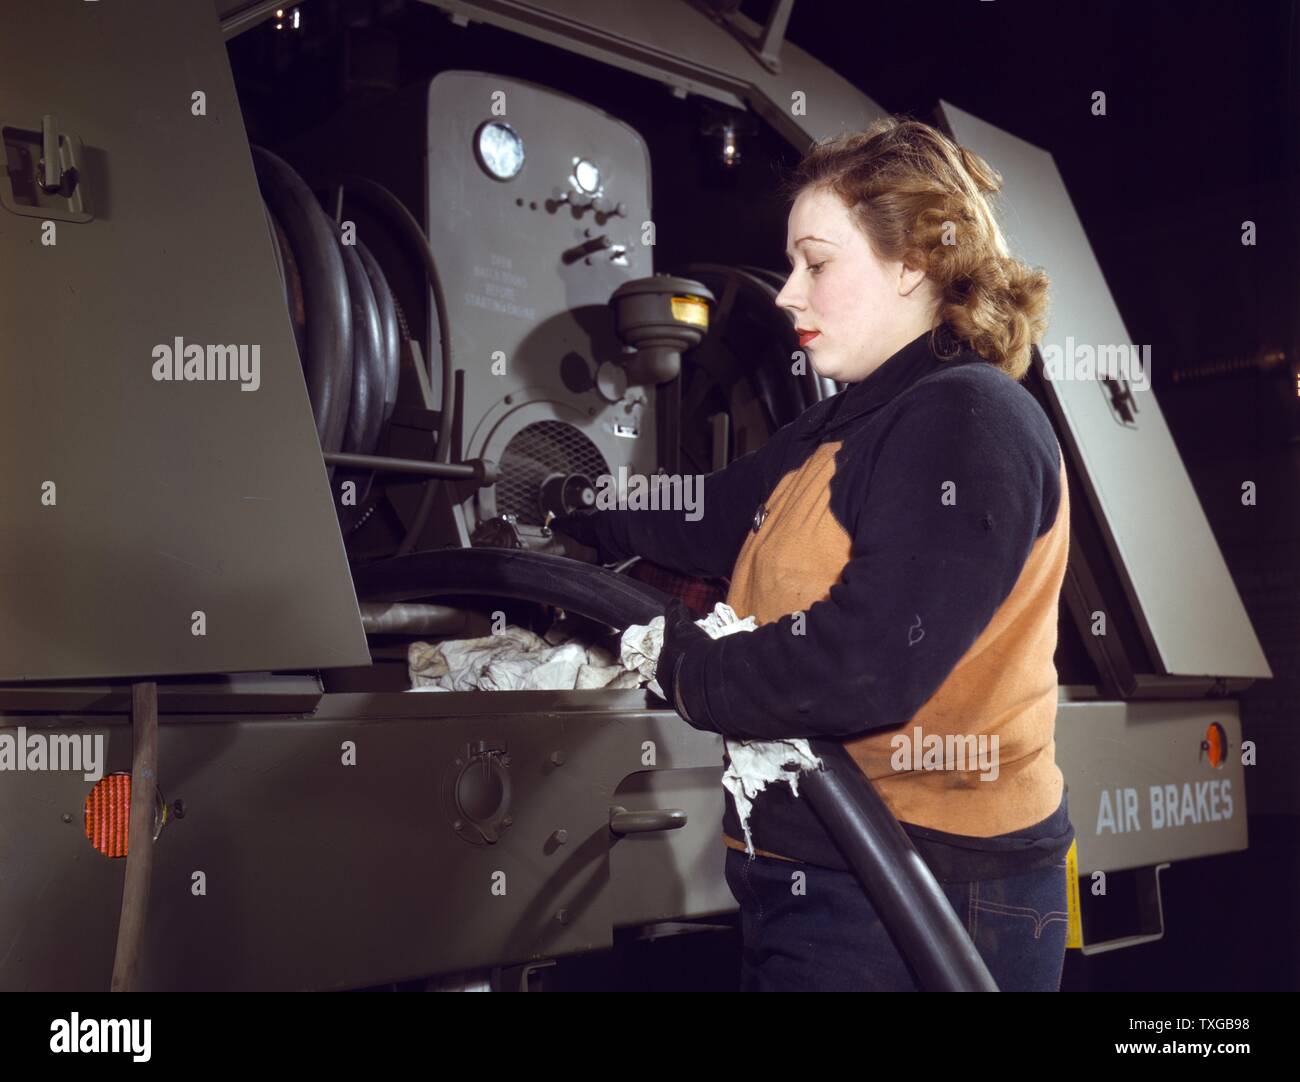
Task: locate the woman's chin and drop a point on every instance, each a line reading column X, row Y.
column 824, row 368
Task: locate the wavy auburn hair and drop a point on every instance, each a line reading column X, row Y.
column 909, row 188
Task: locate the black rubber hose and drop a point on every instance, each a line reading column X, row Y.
column 896, row 879
column 327, row 360
column 392, row 351
column 292, row 289
column 902, row 889
column 571, row 585
column 379, row 197
column 366, row 409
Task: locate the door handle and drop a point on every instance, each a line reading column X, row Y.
column 622, row 821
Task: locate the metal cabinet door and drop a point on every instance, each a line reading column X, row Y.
column 1187, row 606
column 130, row 504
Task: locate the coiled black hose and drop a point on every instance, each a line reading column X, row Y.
column 361, row 387
column 410, row 230
column 327, row 360
column 350, row 307
column 388, row 330
column 292, row 287
column 366, row 408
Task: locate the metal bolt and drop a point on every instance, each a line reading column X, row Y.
column 178, row 809
column 557, row 757
column 67, row 817
column 508, row 821
column 559, row 837
column 562, row 916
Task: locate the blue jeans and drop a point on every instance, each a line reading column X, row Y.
column 829, row 938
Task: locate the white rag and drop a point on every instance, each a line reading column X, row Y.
column 755, row 764
column 516, row 659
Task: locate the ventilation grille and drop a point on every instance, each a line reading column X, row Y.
column 532, row 455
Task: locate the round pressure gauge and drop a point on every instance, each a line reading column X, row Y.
column 586, row 176
column 500, row 150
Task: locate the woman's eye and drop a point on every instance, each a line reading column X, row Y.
column 813, row 268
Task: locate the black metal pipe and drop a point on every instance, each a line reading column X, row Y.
column 412, row 618
column 477, row 469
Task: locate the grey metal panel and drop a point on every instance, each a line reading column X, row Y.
column 172, row 497
column 1186, row 603
column 677, row 43
column 507, row 284
column 659, row 875
column 1122, row 755
column 321, row 875
column 236, row 693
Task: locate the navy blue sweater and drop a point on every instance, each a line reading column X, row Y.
column 902, row 545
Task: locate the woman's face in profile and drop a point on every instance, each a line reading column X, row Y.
column 861, row 309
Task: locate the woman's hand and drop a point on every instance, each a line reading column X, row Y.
column 681, row 635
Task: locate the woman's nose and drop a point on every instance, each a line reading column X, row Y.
column 786, row 298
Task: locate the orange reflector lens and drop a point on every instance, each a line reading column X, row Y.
column 108, row 811
column 692, row 310
column 1215, row 745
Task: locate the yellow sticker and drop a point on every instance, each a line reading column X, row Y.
column 691, row 310
column 1074, row 934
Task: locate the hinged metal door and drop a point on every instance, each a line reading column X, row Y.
column 149, row 525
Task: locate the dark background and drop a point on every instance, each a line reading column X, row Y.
column 1203, row 118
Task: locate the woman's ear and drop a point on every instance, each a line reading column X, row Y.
column 908, row 279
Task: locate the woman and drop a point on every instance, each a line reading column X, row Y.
column 902, row 545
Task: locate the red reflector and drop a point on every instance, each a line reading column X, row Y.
column 108, row 812
column 1215, row 745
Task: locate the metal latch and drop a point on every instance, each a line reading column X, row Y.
column 44, row 174
column 51, row 167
